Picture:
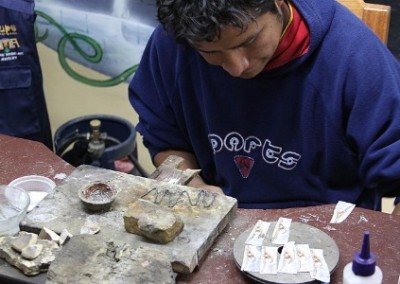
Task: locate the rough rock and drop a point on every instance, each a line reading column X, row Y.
column 29, row 267
column 32, row 251
column 152, row 221
column 47, row 234
column 90, row 228
column 91, row 259
column 150, row 262
column 65, row 236
column 23, row 240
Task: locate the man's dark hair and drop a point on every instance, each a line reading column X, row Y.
column 202, row 20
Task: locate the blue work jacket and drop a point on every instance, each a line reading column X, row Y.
column 23, row 111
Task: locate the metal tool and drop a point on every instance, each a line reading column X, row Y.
column 169, row 171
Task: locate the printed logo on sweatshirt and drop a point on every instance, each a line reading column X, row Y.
column 244, row 164
column 271, row 154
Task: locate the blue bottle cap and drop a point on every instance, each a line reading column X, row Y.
column 364, row 262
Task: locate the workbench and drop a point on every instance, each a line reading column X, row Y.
column 19, row 157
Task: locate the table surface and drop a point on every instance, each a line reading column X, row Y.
column 19, row 157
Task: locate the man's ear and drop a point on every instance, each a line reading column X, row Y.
column 279, row 3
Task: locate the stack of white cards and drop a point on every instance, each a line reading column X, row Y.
column 293, row 258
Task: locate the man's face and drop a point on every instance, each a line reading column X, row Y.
column 244, row 54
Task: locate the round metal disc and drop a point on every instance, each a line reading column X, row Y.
column 300, row 233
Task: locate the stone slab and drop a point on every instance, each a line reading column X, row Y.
column 118, row 262
column 205, row 215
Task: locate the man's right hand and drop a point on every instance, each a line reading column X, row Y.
column 198, row 182
column 189, row 162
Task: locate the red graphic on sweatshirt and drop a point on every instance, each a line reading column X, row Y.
column 244, row 164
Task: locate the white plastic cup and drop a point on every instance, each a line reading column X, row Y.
column 38, row 187
column 14, row 202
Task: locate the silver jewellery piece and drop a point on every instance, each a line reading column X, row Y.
column 258, row 233
column 269, row 260
column 321, row 270
column 305, row 258
column 204, row 198
column 251, row 258
column 281, row 231
column 288, row 262
column 342, row 211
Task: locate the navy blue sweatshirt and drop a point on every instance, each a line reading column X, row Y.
column 322, row 128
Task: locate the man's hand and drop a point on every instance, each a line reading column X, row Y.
column 198, row 182
column 189, row 162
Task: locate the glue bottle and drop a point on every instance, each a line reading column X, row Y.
column 363, row 269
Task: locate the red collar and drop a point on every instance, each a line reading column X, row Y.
column 294, row 42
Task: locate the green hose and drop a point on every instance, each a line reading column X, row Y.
column 95, row 58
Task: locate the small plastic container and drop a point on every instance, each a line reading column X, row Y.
column 38, row 188
column 14, row 203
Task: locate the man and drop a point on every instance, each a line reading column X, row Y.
column 280, row 104
column 23, row 111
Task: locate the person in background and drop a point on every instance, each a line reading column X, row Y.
column 23, row 111
column 279, row 103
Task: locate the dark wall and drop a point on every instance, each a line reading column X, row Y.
column 394, row 30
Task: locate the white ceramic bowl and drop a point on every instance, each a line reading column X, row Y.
column 38, row 187
column 14, row 203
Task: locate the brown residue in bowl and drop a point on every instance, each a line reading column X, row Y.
column 98, row 192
